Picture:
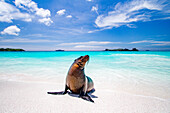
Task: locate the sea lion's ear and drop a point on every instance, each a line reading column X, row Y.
column 75, row 59
column 80, row 57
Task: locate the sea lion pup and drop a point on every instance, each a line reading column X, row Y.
column 76, row 81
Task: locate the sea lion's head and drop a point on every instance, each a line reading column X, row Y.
column 81, row 61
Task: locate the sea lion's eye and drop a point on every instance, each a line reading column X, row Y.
column 79, row 64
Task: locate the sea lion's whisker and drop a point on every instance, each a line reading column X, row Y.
column 88, row 61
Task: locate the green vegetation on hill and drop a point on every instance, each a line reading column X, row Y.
column 133, row 49
column 10, row 49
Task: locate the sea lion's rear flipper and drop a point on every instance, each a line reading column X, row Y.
column 59, row 93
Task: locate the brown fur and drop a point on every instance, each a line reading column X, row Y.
column 76, row 79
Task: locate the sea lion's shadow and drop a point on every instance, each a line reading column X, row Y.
column 89, row 93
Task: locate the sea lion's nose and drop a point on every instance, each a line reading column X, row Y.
column 86, row 57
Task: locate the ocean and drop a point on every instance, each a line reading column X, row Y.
column 145, row 73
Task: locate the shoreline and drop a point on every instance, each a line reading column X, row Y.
column 144, row 90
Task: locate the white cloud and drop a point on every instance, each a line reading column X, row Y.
column 86, row 46
column 11, row 30
column 143, row 41
column 89, row 0
column 25, row 40
column 155, row 43
column 69, row 16
column 43, row 13
column 95, row 8
column 90, row 43
column 61, row 12
column 92, row 31
column 72, row 31
column 9, row 12
column 26, row 4
column 129, row 12
column 162, row 18
column 31, row 6
column 46, row 21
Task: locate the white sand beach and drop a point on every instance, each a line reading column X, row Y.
column 32, row 97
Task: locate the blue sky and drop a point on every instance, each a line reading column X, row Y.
column 85, row 24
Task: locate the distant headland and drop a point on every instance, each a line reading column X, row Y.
column 133, row 49
column 59, row 50
column 10, row 49
column 62, row 50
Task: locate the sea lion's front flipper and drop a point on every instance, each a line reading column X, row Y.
column 87, row 97
column 84, row 95
column 83, row 92
column 59, row 93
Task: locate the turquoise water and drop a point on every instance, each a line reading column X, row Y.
column 138, row 72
